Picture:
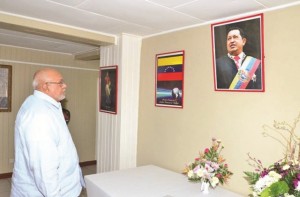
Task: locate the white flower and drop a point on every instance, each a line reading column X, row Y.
column 266, row 181
column 190, row 174
column 288, row 195
column 298, row 186
column 214, row 181
column 200, row 172
column 285, row 167
column 275, row 175
column 254, row 194
column 207, row 175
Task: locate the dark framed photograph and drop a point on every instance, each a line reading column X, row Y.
column 108, row 89
column 169, row 79
column 238, row 54
column 5, row 88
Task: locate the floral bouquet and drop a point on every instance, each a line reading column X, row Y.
column 283, row 177
column 209, row 167
column 280, row 179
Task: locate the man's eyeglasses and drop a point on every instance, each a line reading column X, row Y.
column 60, row 83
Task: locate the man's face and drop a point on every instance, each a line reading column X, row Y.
column 56, row 86
column 235, row 42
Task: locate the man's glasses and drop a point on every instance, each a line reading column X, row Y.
column 60, row 83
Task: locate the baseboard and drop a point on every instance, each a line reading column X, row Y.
column 6, row 175
column 87, row 163
column 82, row 164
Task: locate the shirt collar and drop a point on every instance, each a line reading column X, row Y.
column 47, row 98
column 242, row 55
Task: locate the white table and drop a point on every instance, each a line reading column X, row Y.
column 147, row 181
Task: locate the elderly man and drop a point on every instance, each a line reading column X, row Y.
column 46, row 160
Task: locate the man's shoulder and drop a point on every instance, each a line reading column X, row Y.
column 223, row 60
column 33, row 103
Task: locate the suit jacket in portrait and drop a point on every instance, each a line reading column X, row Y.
column 226, row 71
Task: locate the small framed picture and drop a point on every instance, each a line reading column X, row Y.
column 238, row 54
column 5, row 88
column 169, row 79
column 108, row 89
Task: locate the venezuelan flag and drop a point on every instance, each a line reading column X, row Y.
column 169, row 68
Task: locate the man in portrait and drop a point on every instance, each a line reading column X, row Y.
column 237, row 69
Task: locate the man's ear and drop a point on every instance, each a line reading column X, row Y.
column 44, row 87
column 244, row 41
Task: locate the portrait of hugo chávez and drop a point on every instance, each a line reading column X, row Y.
column 238, row 55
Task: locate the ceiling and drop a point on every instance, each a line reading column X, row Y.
column 113, row 17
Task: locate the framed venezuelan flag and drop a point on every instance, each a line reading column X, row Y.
column 169, row 79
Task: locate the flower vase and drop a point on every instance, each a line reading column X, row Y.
column 204, row 187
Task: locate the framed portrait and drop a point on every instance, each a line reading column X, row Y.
column 108, row 89
column 5, row 88
column 238, row 54
column 169, row 79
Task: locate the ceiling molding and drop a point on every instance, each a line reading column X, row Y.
column 90, row 55
column 42, row 28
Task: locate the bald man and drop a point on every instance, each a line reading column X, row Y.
column 46, row 160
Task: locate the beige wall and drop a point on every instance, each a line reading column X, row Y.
column 81, row 78
column 172, row 137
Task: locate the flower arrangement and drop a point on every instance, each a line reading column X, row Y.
column 280, row 179
column 283, row 177
column 209, row 167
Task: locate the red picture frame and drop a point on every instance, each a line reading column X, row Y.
column 169, row 79
column 108, row 89
column 246, row 73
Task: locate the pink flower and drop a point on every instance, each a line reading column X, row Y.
column 196, row 169
column 215, row 165
column 219, row 175
column 206, row 151
column 264, row 173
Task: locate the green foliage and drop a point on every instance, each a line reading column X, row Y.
column 296, row 193
column 275, row 190
column 251, row 177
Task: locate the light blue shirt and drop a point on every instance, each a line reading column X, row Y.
column 46, row 160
